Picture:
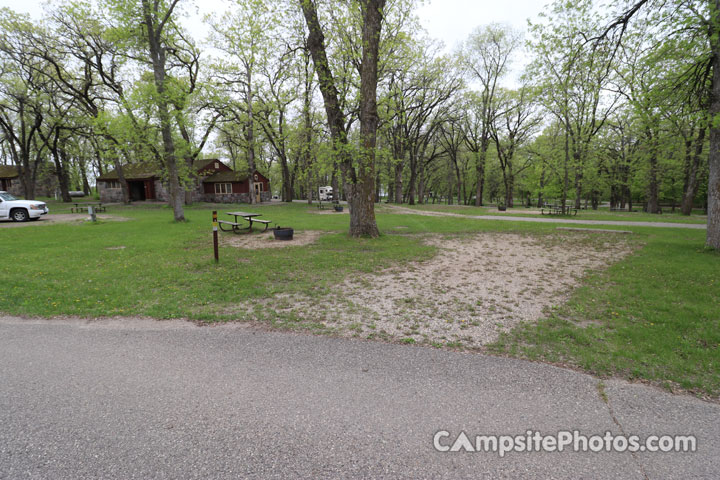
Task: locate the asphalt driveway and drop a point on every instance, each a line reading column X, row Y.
column 167, row 399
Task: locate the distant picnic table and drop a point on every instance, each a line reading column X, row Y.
column 80, row 207
column 237, row 227
column 322, row 205
column 551, row 209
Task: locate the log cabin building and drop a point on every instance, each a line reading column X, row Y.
column 214, row 182
column 9, row 181
column 46, row 182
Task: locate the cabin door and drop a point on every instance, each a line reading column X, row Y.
column 149, row 189
column 258, row 189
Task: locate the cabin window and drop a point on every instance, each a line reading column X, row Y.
column 223, row 188
column 112, row 184
column 217, row 165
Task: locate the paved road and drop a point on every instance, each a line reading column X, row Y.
column 146, row 399
column 619, row 223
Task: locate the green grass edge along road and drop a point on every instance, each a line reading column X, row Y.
column 653, row 315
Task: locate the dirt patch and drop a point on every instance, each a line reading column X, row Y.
column 255, row 241
column 474, row 288
column 331, row 212
column 61, row 218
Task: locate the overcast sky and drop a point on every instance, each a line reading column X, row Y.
column 448, row 20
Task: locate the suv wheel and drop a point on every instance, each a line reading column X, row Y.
column 20, row 215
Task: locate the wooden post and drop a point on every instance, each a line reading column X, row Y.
column 215, row 235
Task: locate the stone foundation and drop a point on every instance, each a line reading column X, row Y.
column 109, row 195
column 227, row 198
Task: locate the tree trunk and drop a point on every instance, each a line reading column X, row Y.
column 83, row 174
column 691, row 182
column 335, row 184
column 566, row 169
column 578, row 179
column 713, row 200
column 287, row 191
column 391, row 184
column 450, row 183
column 250, row 134
column 307, row 163
column 421, row 181
column 377, row 187
column 359, row 185
column 509, row 187
column 542, row 186
column 398, row 182
column 157, row 54
column 412, row 182
column 56, row 144
column 60, row 157
column 459, row 182
column 362, row 207
column 124, row 188
column 653, row 188
column 188, row 192
column 480, row 169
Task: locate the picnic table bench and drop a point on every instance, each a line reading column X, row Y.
column 556, row 210
column 322, row 205
column 237, row 227
column 79, row 207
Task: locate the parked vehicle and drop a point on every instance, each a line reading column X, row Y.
column 325, row 193
column 20, row 210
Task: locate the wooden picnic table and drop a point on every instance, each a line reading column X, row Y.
column 556, row 209
column 237, row 227
column 79, row 207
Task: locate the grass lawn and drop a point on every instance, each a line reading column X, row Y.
column 654, row 315
column 603, row 213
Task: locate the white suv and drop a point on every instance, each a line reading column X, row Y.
column 20, row 210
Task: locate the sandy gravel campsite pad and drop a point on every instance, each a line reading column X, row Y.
column 265, row 239
column 474, row 287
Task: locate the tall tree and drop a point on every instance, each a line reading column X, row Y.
column 150, row 35
column 698, row 18
column 157, row 18
column 486, row 55
column 575, row 82
column 419, row 99
column 21, row 99
column 245, row 34
column 511, row 129
column 359, row 175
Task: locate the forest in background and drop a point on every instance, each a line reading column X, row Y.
column 610, row 106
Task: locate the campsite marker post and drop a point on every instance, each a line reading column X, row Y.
column 215, row 235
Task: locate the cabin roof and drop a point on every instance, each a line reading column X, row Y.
column 133, row 171
column 226, row 177
column 8, row 171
